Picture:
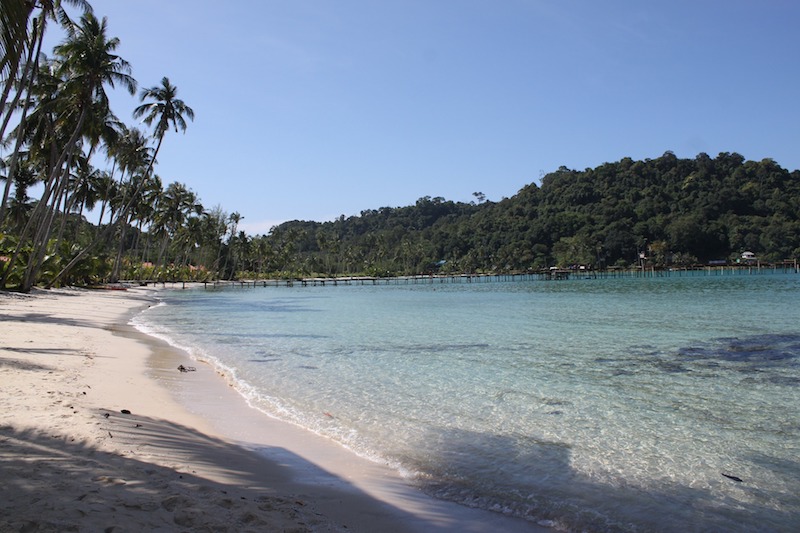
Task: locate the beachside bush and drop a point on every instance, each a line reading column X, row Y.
column 8, row 245
column 92, row 271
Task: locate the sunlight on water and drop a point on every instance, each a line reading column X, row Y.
column 600, row 404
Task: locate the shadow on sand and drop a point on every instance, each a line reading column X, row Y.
column 161, row 477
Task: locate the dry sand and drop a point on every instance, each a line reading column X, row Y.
column 100, row 432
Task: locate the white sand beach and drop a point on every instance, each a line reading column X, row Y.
column 99, row 431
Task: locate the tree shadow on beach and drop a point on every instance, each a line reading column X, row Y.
column 161, row 476
column 19, row 364
column 45, row 318
column 27, row 346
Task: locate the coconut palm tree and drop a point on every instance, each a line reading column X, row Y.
column 79, row 184
column 14, row 38
column 130, row 152
column 165, row 110
column 14, row 23
column 144, row 212
column 106, row 190
column 19, row 206
column 86, row 64
column 144, row 201
column 36, row 131
column 19, row 32
column 177, row 204
column 189, row 238
column 233, row 224
column 102, row 127
column 86, row 191
column 132, row 155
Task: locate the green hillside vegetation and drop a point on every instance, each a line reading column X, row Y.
column 677, row 212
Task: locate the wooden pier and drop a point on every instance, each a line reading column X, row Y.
column 788, row 267
column 370, row 280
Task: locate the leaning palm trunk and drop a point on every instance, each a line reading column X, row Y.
column 32, row 270
column 42, row 240
column 123, row 223
column 36, row 215
column 120, row 246
column 30, row 67
column 88, row 52
column 105, row 233
column 19, row 47
column 102, row 213
column 145, row 248
column 102, row 237
column 161, row 262
column 69, row 201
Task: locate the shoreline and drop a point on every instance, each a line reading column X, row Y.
column 190, row 454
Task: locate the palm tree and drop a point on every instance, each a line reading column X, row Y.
column 143, row 203
column 87, row 63
column 233, row 224
column 216, row 227
column 37, row 130
column 15, row 36
column 79, row 185
column 165, row 109
column 19, row 207
column 102, row 126
column 176, row 205
column 132, row 155
column 86, row 192
column 18, row 32
column 14, row 23
column 106, row 190
column 145, row 210
column 130, row 152
column 189, row 237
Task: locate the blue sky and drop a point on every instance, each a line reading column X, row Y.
column 318, row 108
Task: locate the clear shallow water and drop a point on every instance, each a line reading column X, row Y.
column 605, row 405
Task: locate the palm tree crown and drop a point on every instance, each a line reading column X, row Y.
column 88, row 61
column 166, row 108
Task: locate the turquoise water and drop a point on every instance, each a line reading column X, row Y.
column 602, row 405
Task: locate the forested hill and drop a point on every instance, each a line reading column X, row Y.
column 676, row 211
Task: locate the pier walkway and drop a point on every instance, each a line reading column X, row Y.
column 544, row 275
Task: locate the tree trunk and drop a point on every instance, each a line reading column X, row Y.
column 118, row 259
column 32, row 67
column 31, row 273
column 105, row 233
column 42, row 238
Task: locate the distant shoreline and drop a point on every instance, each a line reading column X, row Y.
column 786, row 267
